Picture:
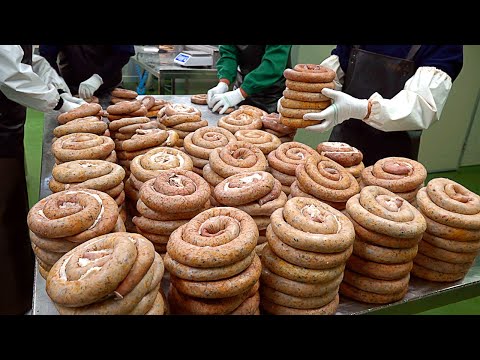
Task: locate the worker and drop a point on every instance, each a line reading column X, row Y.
column 89, row 69
column 259, row 78
column 20, row 87
column 385, row 95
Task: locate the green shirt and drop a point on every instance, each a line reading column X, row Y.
column 269, row 71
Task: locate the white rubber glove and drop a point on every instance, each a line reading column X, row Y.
column 219, row 89
column 344, row 107
column 88, row 87
column 73, row 99
column 229, row 99
column 67, row 106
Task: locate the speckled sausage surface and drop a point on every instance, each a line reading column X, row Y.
column 244, row 188
column 272, row 308
column 287, row 156
column 216, row 237
column 82, row 146
column 149, row 165
column 216, row 289
column 297, row 288
column 304, row 95
column 383, row 255
column 431, row 275
column 206, row 274
column 235, row 158
column 201, row 143
column 396, row 174
column 432, row 251
column 380, row 210
column 326, row 180
column 82, row 111
column 124, row 93
column 462, row 207
column 369, row 297
column 297, row 273
column 341, row 153
column 76, row 215
column 375, row 285
column 175, row 191
column 241, row 119
column 90, row 124
column 310, row 225
column 271, row 123
column 306, row 259
column 87, row 174
column 311, row 73
column 124, row 107
column 261, row 139
column 378, row 271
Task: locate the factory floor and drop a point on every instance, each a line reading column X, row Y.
column 468, row 176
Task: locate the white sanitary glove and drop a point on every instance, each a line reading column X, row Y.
column 219, row 89
column 88, row 87
column 229, row 99
column 68, row 106
column 344, row 107
column 73, row 99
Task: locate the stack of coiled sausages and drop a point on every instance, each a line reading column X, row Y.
column 63, row 220
column 388, row 229
column 271, row 124
column 326, row 180
column 303, row 263
column 114, row 274
column 169, row 201
column 234, row 158
column 400, row 175
column 183, row 119
column 303, row 93
column 214, row 269
column 347, row 156
column 452, row 239
column 285, row 159
column 257, row 193
column 91, row 174
column 199, row 144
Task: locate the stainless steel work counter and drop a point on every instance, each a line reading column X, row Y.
column 422, row 295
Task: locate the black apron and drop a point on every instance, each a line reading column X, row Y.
column 368, row 73
column 249, row 58
column 16, row 256
column 77, row 63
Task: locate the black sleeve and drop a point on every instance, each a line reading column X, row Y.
column 113, row 64
column 50, row 53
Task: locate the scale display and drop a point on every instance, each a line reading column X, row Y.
column 193, row 58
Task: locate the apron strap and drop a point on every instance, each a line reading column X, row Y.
column 413, row 51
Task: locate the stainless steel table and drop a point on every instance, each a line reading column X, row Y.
column 162, row 67
column 422, row 295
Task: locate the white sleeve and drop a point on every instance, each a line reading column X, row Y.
column 416, row 107
column 333, row 63
column 19, row 83
column 47, row 73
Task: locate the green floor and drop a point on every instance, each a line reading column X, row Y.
column 468, row 176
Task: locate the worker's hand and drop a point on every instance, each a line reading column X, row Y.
column 88, row 87
column 344, row 107
column 68, row 106
column 73, row 99
column 229, row 99
column 219, row 89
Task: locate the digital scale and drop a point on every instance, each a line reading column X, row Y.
column 193, row 58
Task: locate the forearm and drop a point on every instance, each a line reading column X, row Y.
column 270, row 70
column 19, row 83
column 227, row 64
column 333, row 63
column 416, row 107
